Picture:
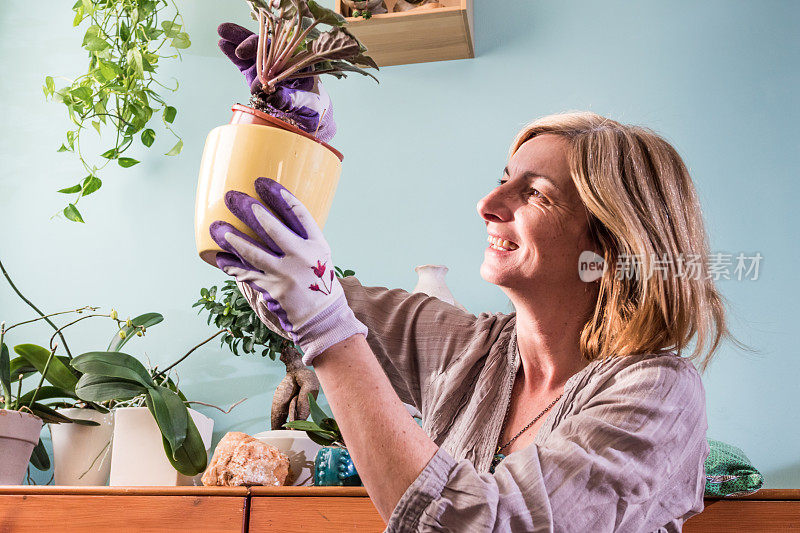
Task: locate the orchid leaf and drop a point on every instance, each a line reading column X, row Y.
column 113, row 365
column 58, row 373
column 94, row 388
column 39, row 458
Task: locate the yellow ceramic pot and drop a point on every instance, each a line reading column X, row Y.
column 256, row 145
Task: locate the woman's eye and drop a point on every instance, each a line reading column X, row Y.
column 501, row 181
column 535, row 193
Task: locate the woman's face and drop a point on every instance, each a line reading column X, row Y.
column 537, row 209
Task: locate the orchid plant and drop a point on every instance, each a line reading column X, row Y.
column 291, row 45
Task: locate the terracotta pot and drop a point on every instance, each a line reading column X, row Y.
column 300, row 450
column 138, row 456
column 257, row 145
column 82, row 454
column 19, row 434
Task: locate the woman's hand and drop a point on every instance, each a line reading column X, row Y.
column 289, row 266
column 304, row 100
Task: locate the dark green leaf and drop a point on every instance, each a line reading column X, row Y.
column 5, row 372
column 57, row 373
column 170, row 414
column 71, row 190
column 303, row 425
column 47, row 392
column 39, row 458
column 20, row 365
column 317, row 414
column 94, row 388
column 113, row 364
column 191, row 458
column 48, row 415
column 323, row 439
column 169, row 114
column 90, row 185
column 148, row 136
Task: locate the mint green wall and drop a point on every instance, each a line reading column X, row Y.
column 718, row 79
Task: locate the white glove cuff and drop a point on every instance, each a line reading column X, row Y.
column 333, row 325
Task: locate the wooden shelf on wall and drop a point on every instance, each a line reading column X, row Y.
column 417, row 36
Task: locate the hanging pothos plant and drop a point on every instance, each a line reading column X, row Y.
column 120, row 92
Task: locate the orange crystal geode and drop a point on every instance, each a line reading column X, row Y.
column 239, row 459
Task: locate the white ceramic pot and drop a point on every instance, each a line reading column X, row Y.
column 82, row 454
column 431, row 282
column 138, row 456
column 300, row 450
column 19, row 434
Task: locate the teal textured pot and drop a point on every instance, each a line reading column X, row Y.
column 334, row 467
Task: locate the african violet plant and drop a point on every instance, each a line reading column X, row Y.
column 291, row 45
column 124, row 40
column 246, row 331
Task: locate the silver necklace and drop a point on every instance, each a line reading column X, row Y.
column 497, row 455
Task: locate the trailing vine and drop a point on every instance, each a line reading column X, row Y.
column 124, row 39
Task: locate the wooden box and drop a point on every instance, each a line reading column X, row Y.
column 417, row 36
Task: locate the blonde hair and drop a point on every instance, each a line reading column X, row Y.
column 642, row 205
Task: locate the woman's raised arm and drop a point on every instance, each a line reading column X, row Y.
column 413, row 336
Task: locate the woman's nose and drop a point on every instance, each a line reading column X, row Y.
column 494, row 207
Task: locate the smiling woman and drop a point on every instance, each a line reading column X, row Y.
column 624, row 442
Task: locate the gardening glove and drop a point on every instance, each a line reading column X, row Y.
column 303, row 100
column 289, row 266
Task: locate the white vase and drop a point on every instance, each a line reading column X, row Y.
column 19, row 434
column 82, row 454
column 300, row 450
column 138, row 456
column 431, row 282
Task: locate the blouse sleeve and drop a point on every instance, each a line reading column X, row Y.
column 630, row 460
column 414, row 336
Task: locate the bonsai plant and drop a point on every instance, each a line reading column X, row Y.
column 124, row 39
column 333, row 464
column 284, row 133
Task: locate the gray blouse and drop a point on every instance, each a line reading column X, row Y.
column 622, row 450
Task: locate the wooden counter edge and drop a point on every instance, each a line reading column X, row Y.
column 345, row 492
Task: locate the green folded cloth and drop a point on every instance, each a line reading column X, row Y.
column 729, row 471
